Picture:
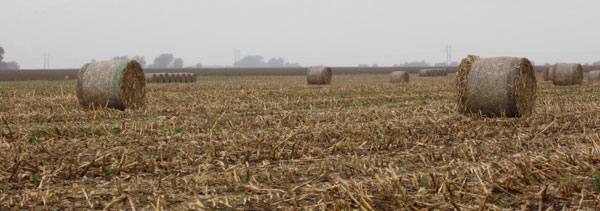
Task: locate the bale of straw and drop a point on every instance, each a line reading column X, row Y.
column 502, row 86
column 319, row 75
column 118, row 84
column 172, row 78
column 594, row 75
column 194, row 78
column 399, row 77
column 547, row 74
column 151, row 77
column 162, row 78
column 433, row 72
column 566, row 74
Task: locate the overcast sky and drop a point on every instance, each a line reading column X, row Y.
column 311, row 32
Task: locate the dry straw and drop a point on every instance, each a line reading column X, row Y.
column 319, row 75
column 594, row 75
column 118, row 84
column 399, row 77
column 502, row 86
column 566, row 74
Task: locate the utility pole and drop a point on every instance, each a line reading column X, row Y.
column 46, row 60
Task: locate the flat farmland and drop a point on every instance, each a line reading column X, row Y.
column 62, row 74
column 276, row 143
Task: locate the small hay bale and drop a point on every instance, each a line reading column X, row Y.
column 172, row 78
column 594, row 75
column 566, row 74
column 118, row 84
column 319, row 75
column 433, row 72
column 547, row 73
column 194, row 77
column 502, row 86
column 162, row 78
column 399, row 77
column 151, row 77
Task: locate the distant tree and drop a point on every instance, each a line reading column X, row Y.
column 454, row 63
column 13, row 66
column 1, row 54
column 120, row 58
column 363, row 65
column 162, row 61
column 7, row 65
column 250, row 61
column 586, row 64
column 441, row 64
column 140, row 59
column 416, row 64
column 178, row 63
column 596, row 63
column 547, row 64
column 275, row 62
column 199, row 65
column 375, row 65
column 287, row 64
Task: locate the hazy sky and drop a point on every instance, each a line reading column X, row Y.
column 311, row 32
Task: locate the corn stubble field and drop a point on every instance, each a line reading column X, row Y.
column 269, row 142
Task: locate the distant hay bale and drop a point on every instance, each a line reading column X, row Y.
column 151, row 77
column 433, row 72
column 502, row 86
column 319, row 75
column 118, row 84
column 547, row 73
column 566, row 74
column 594, row 75
column 399, row 77
column 172, row 78
column 162, row 78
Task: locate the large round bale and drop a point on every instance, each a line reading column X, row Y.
column 194, row 78
column 501, row 86
column 399, row 77
column 594, row 75
column 319, row 75
column 566, row 74
column 118, row 84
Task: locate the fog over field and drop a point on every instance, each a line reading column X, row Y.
column 310, row 32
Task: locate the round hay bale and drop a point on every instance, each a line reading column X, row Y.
column 547, row 74
column 399, row 77
column 194, row 78
column 116, row 84
column 424, row 73
column 151, row 77
column 319, row 75
column 172, row 78
column 594, row 75
column 164, row 78
column 566, row 74
column 502, row 86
